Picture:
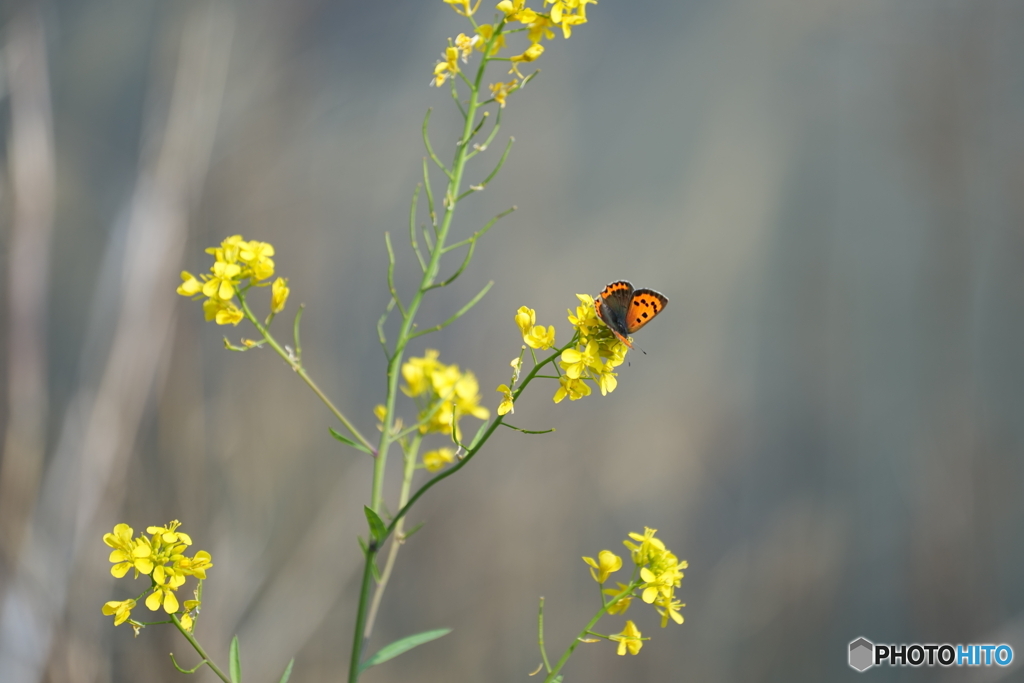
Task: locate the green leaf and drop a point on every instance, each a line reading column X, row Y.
column 287, row 672
column 362, row 544
column 479, row 433
column 235, row 666
column 349, row 442
column 404, row 645
column 377, row 528
column 408, row 534
column 527, row 431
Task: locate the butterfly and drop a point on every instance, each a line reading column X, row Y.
column 625, row 310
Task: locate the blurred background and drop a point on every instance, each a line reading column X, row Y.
column 826, row 423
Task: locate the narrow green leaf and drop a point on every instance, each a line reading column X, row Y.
column 479, row 433
column 349, row 442
column 527, row 431
column 234, row 665
column 362, row 544
column 287, row 671
column 408, row 534
column 404, row 645
column 377, row 528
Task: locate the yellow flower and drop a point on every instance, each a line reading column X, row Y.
column 656, row 585
column 650, row 548
column 449, row 392
column 506, row 405
column 576, row 362
column 485, row 32
column 196, row 565
column 447, row 67
column 120, row 609
column 531, row 53
column 607, row 382
column 607, row 563
column 540, row 338
column 256, row 255
column 169, row 534
column 515, row 10
column 417, row 372
column 536, row 336
column 186, row 622
column 163, row 594
column 526, row 318
column 224, row 312
column 499, row 91
column 221, row 284
column 462, row 7
column 173, row 576
column 575, row 389
column 629, row 639
column 279, row 292
column 465, row 45
column 436, row 460
column 128, row 554
column 540, row 29
column 585, row 319
column 669, row 609
column 190, row 286
column 228, row 250
column 622, row 604
column 569, row 13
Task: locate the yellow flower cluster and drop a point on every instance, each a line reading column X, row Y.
column 235, row 262
column 661, row 571
column 660, row 574
column 161, row 557
column 563, row 14
column 596, row 354
column 443, row 394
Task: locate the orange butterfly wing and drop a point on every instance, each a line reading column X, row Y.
column 611, row 305
column 643, row 307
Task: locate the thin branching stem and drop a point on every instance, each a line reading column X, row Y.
column 501, row 162
column 540, row 635
column 479, row 443
column 430, row 149
column 410, row 454
column 293, row 361
column 552, row 673
column 430, row 194
column 199, row 649
column 406, row 334
column 412, row 229
column 295, row 333
column 380, row 327
column 458, row 314
column 391, row 274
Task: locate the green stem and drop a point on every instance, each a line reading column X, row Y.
column 199, row 649
column 357, row 636
column 476, row 446
column 378, row 594
column 552, row 673
column 405, row 334
column 301, row 372
column 540, row 635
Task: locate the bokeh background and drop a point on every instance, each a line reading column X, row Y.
column 827, row 422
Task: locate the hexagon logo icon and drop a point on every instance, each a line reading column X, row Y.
column 862, row 654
